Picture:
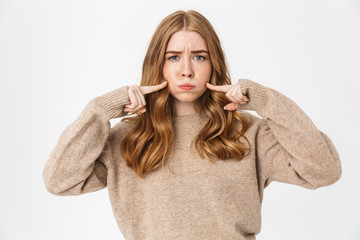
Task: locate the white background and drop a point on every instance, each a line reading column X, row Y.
column 55, row 56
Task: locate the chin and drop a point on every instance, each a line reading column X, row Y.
column 186, row 98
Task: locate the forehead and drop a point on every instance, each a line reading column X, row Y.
column 182, row 40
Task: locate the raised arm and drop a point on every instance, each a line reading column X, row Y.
column 77, row 164
column 289, row 147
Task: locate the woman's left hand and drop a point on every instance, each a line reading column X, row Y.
column 233, row 93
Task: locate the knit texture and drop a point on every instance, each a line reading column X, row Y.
column 202, row 200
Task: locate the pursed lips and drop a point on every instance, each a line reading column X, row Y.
column 186, row 86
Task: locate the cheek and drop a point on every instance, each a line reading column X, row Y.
column 205, row 74
column 209, row 71
column 202, row 89
column 168, row 73
column 165, row 72
column 172, row 87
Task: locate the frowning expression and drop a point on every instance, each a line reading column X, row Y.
column 187, row 66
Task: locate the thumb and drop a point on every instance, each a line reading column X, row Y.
column 231, row 107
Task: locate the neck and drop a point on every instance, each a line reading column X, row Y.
column 183, row 108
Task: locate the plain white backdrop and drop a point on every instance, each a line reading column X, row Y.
column 55, row 56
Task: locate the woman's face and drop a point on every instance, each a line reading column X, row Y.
column 187, row 66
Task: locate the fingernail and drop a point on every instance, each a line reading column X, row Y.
column 129, row 113
column 225, row 108
column 144, row 110
column 246, row 99
column 242, row 102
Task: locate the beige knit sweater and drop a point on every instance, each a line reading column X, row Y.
column 203, row 200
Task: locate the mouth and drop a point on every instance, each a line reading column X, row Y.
column 186, row 86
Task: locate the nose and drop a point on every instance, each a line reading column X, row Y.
column 187, row 70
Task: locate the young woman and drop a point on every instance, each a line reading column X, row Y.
column 187, row 115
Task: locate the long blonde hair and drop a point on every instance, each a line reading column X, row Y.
column 149, row 144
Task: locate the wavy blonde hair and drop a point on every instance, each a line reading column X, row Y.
column 150, row 143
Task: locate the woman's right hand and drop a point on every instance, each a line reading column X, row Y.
column 136, row 97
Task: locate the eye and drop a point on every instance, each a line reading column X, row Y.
column 173, row 57
column 199, row 57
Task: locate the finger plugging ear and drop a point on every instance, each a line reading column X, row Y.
column 219, row 88
column 154, row 88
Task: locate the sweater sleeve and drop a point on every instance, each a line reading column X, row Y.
column 77, row 164
column 289, row 148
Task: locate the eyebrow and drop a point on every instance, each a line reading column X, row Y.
column 195, row 51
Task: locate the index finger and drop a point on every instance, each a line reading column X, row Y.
column 219, row 88
column 149, row 89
